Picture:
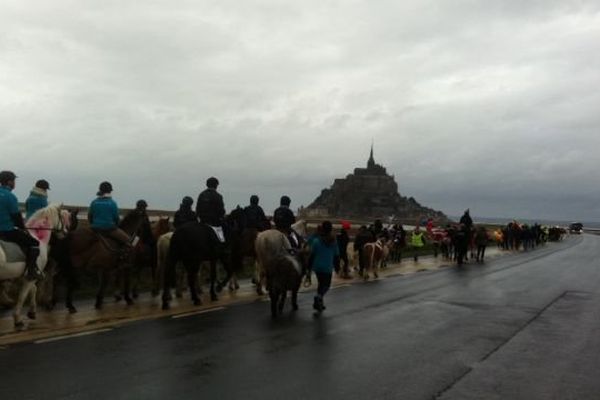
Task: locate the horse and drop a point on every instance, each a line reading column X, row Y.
column 144, row 255
column 374, row 253
column 300, row 230
column 41, row 225
column 90, row 250
column 191, row 244
column 283, row 270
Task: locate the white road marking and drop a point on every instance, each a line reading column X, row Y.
column 74, row 335
column 341, row 286
column 189, row 314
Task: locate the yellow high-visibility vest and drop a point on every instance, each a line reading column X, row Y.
column 417, row 239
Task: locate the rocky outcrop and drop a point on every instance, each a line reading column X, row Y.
column 369, row 193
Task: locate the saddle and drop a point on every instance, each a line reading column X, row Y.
column 12, row 251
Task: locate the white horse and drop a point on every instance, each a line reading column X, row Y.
column 300, row 230
column 40, row 225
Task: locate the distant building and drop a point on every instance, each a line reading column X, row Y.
column 368, row 193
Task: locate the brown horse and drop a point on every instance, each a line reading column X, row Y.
column 87, row 249
column 374, row 253
column 144, row 254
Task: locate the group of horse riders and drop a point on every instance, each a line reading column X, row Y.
column 103, row 216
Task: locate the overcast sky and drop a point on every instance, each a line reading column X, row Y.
column 492, row 105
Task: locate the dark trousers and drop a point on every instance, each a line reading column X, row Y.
column 324, row 280
column 480, row 252
column 22, row 238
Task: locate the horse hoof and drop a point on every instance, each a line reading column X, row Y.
column 237, row 286
column 129, row 301
column 19, row 325
column 260, row 292
column 213, row 297
column 98, row 305
column 197, row 302
column 31, row 315
column 166, row 305
column 72, row 310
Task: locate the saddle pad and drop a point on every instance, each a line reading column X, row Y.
column 12, row 251
column 219, row 232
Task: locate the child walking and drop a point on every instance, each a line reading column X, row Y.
column 324, row 255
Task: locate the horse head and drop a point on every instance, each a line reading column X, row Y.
column 47, row 220
column 161, row 227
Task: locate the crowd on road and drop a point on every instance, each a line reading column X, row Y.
column 374, row 244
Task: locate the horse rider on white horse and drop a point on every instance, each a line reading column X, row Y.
column 12, row 227
column 210, row 208
column 284, row 218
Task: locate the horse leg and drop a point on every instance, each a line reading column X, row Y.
column 18, row 321
column 103, row 283
column 274, row 295
column 192, row 271
column 32, row 313
column 213, row 279
column 71, row 284
column 295, row 298
column 127, row 284
column 282, row 302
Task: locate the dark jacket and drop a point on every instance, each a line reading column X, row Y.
column 254, row 217
column 210, row 208
column 183, row 216
column 284, row 218
column 467, row 221
column 144, row 230
column 342, row 241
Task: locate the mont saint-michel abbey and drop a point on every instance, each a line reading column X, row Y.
column 367, row 194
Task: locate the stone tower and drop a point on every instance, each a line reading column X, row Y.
column 368, row 193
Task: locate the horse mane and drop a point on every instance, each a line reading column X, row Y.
column 51, row 213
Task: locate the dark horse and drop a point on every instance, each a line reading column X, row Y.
column 240, row 240
column 192, row 244
column 87, row 249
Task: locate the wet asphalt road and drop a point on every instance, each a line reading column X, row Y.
column 523, row 326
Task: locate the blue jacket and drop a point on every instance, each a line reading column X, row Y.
column 34, row 202
column 103, row 213
column 323, row 255
column 9, row 206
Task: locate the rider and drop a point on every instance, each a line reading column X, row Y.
column 145, row 229
column 38, row 198
column 12, row 228
column 284, row 218
column 185, row 213
column 254, row 216
column 209, row 206
column 103, row 215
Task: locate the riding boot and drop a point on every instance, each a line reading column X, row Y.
column 32, row 272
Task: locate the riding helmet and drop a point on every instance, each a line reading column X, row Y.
column 105, row 187
column 6, row 176
column 254, row 199
column 212, row 182
column 141, row 204
column 42, row 184
column 285, row 201
column 187, row 201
